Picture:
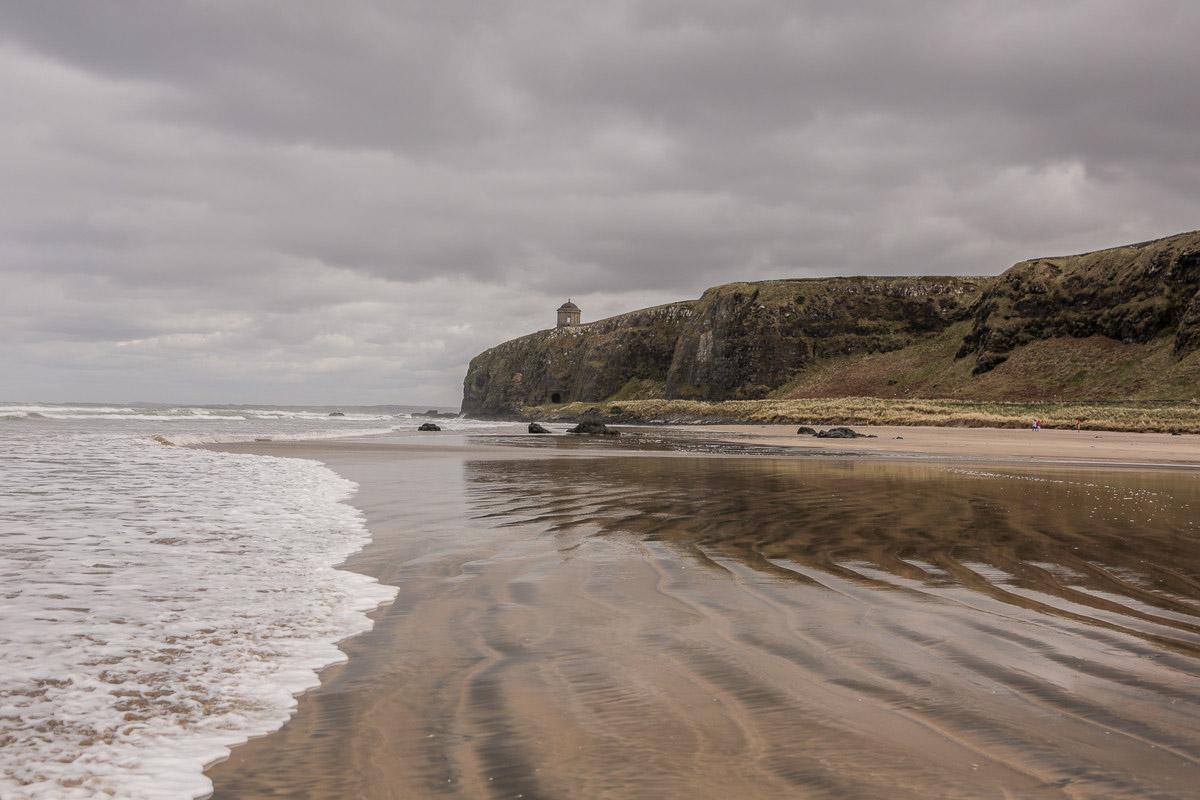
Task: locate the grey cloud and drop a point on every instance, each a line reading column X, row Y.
column 310, row 201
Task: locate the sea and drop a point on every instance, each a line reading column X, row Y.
column 161, row 603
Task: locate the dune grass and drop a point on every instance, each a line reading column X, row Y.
column 1173, row 417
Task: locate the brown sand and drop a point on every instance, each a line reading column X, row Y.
column 604, row 626
column 990, row 444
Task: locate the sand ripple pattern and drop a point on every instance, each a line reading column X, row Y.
column 827, row 629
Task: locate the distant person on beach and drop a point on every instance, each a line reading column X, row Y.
column 1037, row 424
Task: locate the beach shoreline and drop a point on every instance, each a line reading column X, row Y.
column 561, row 630
column 1000, row 446
column 997, row 445
column 1175, row 416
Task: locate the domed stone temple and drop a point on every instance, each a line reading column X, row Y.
column 568, row 314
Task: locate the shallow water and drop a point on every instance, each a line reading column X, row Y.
column 677, row 626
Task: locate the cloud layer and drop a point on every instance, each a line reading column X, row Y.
column 283, row 202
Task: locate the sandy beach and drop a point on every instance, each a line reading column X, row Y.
column 986, row 444
column 587, row 623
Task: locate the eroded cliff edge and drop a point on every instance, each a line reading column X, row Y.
column 1121, row 323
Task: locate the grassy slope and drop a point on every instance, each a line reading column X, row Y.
column 1096, row 367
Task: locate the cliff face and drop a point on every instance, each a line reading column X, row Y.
column 1132, row 294
column 627, row 355
column 1075, row 327
column 744, row 340
column 740, row 341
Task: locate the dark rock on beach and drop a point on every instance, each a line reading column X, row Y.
column 536, row 428
column 843, row 433
column 428, row 426
column 804, row 430
column 593, row 427
column 336, row 414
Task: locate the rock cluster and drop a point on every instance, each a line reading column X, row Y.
column 593, row 427
column 840, row 432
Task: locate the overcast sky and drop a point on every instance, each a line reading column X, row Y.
column 343, row 202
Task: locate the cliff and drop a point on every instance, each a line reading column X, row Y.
column 623, row 356
column 1120, row 323
column 1131, row 294
column 744, row 340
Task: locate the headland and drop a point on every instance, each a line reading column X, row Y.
column 1108, row 340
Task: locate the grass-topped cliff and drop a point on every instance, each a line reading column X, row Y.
column 620, row 357
column 1117, row 324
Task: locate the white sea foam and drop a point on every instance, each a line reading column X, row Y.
column 187, row 413
column 62, row 408
column 192, row 439
column 152, row 417
column 160, row 604
column 308, row 434
column 350, row 416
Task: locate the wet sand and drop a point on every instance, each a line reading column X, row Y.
column 578, row 624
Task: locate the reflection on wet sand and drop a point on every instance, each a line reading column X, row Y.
column 914, row 618
column 1116, row 550
column 732, row 627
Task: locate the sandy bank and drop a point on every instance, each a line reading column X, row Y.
column 998, row 444
column 1181, row 416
